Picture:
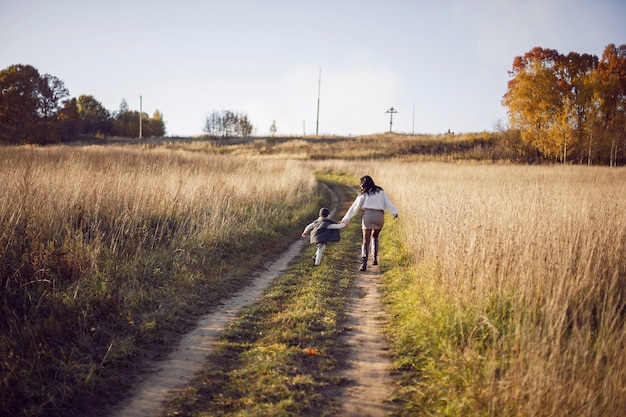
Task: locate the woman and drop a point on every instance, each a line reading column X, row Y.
column 374, row 201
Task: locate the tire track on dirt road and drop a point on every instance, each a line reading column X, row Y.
column 187, row 359
column 368, row 364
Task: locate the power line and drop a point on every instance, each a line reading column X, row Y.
column 140, row 112
column 413, row 131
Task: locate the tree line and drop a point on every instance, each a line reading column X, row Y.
column 36, row 108
column 567, row 108
column 226, row 123
column 570, row 108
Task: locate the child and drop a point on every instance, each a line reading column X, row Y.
column 323, row 230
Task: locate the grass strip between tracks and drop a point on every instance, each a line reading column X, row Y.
column 280, row 357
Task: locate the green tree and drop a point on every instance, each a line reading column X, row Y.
column 123, row 107
column 68, row 120
column 94, row 118
column 18, row 103
column 51, row 92
column 126, row 122
column 29, row 104
column 154, row 126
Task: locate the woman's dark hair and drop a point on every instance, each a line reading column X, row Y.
column 368, row 186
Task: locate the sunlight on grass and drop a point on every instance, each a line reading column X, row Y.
column 506, row 285
column 512, row 303
column 280, row 357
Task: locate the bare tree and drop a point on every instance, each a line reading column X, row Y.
column 227, row 123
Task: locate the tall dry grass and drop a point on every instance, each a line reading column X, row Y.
column 101, row 246
column 515, row 303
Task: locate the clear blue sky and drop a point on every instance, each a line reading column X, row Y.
column 446, row 59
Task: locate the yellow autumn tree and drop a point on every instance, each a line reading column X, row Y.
column 612, row 70
column 534, row 100
column 570, row 107
column 559, row 134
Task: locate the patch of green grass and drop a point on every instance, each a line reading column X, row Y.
column 336, row 177
column 83, row 344
column 280, row 357
column 443, row 350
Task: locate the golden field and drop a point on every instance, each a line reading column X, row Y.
column 109, row 251
column 512, row 298
column 505, row 284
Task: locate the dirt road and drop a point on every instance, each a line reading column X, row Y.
column 368, row 361
column 180, row 366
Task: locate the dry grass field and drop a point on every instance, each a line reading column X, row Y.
column 505, row 284
column 512, row 300
column 103, row 249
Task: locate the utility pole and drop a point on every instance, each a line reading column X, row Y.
column 391, row 112
column 413, row 131
column 304, row 128
column 319, row 87
column 140, row 112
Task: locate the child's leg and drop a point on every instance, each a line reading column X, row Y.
column 318, row 254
